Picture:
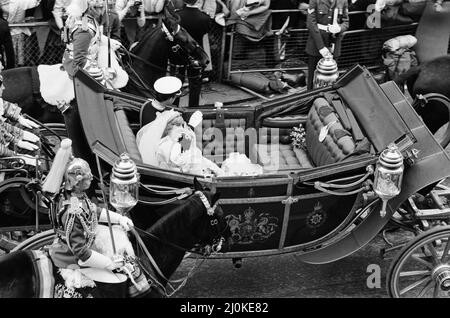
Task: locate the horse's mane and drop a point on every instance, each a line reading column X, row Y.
column 181, row 216
column 147, row 35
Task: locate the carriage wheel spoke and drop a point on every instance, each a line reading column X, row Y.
column 420, row 260
column 415, row 273
column 414, row 285
column 426, row 289
column 436, row 291
column 433, row 252
column 446, row 249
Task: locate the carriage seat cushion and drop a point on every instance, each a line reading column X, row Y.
column 284, row 126
column 129, row 139
column 339, row 142
column 216, row 149
column 280, row 157
column 284, row 121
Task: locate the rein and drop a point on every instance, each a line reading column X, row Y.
column 145, row 61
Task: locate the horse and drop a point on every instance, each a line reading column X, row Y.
column 175, row 45
column 149, row 58
column 180, row 230
column 430, row 77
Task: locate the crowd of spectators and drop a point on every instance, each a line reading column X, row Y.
column 252, row 19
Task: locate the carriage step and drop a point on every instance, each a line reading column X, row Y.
column 384, row 251
column 7, row 244
column 434, row 206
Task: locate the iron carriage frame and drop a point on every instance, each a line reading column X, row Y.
column 322, row 213
column 289, row 195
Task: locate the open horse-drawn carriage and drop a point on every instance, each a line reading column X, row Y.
column 323, row 201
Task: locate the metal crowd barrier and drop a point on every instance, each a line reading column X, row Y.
column 231, row 53
column 362, row 46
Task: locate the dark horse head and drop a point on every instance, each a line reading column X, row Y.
column 198, row 222
column 194, row 225
column 168, row 41
column 428, row 79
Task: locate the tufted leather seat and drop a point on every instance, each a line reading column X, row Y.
column 234, row 139
column 280, row 157
column 274, row 154
column 338, row 144
column 284, row 121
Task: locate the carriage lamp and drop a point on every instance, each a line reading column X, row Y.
column 326, row 72
column 388, row 175
column 124, row 185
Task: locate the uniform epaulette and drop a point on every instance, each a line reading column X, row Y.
column 85, row 24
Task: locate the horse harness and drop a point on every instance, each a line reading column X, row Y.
column 210, row 210
column 177, row 47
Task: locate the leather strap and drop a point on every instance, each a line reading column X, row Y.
column 357, row 133
column 340, row 110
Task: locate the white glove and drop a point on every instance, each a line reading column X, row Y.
column 116, row 262
column 324, row 52
column 196, row 118
column 30, row 161
column 115, row 45
column 334, row 28
column 26, row 145
column 98, row 260
column 28, row 136
column 27, row 123
column 243, row 13
column 125, row 223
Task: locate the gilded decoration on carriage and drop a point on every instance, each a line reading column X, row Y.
column 317, row 217
column 250, row 227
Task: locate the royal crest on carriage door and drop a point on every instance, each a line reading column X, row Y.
column 250, row 227
column 317, row 217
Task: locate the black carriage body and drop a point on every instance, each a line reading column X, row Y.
column 282, row 211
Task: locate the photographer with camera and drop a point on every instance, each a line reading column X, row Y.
column 132, row 15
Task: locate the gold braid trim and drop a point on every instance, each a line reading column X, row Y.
column 6, row 152
column 13, row 130
column 77, row 211
column 6, row 137
column 12, row 111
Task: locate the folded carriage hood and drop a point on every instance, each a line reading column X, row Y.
column 371, row 107
column 431, row 164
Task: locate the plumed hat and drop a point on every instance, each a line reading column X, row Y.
column 76, row 8
column 53, row 181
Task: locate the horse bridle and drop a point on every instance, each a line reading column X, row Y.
column 177, row 47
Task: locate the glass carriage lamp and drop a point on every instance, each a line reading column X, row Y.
column 388, row 175
column 326, row 72
column 124, row 185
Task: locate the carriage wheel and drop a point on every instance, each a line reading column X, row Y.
column 53, row 133
column 36, row 242
column 422, row 268
column 422, row 100
column 17, row 200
